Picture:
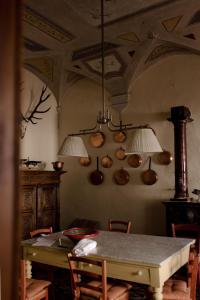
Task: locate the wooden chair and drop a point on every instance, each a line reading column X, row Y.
column 119, row 226
column 92, row 284
column 185, row 288
column 32, row 289
column 188, row 231
column 40, row 231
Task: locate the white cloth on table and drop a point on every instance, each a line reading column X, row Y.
column 44, row 241
column 84, row 247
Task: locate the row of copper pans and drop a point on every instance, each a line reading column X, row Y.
column 134, row 160
column 121, row 176
column 97, row 139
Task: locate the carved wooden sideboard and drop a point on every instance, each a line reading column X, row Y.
column 39, row 200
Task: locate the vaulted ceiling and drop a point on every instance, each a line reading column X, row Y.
column 62, row 38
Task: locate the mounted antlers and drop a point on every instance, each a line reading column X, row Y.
column 32, row 115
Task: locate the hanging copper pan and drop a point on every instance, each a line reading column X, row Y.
column 121, row 177
column 149, row 176
column 134, row 160
column 165, row 158
column 106, row 161
column 97, row 139
column 85, row 161
column 119, row 136
column 96, row 177
column 120, row 153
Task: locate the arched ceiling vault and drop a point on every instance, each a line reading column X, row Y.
column 62, row 38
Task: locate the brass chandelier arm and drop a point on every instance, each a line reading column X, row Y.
column 93, row 131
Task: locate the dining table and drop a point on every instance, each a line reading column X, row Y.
column 145, row 259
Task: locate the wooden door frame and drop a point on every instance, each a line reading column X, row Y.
column 9, row 145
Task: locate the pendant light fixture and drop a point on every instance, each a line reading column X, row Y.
column 146, row 140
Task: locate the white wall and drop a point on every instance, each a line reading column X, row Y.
column 174, row 81
column 41, row 140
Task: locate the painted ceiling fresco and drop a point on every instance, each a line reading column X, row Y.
column 137, row 34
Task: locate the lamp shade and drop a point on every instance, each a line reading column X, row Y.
column 73, row 146
column 143, row 140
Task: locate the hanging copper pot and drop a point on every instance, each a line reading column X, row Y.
column 121, row 177
column 97, row 139
column 120, row 153
column 119, row 136
column 97, row 177
column 106, row 161
column 134, row 160
column 149, row 176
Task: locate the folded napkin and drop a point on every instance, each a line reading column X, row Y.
column 84, row 247
column 42, row 241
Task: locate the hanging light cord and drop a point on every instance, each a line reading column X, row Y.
column 102, row 56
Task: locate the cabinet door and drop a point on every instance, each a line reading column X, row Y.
column 28, row 199
column 28, row 209
column 47, row 206
column 27, row 224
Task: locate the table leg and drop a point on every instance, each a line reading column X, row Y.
column 157, row 294
column 28, row 269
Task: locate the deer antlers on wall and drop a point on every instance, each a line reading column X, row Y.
column 33, row 115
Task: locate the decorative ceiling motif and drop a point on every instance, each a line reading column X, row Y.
column 129, row 36
column 136, row 34
column 195, row 18
column 33, row 46
column 164, row 49
column 171, row 24
column 190, row 36
column 46, row 26
column 44, row 65
column 113, row 65
column 115, row 10
column 93, row 50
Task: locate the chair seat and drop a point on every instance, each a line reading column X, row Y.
column 176, row 290
column 35, row 286
column 116, row 291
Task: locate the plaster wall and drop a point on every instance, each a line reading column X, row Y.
column 171, row 82
column 41, row 140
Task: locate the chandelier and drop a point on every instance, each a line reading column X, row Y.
column 143, row 138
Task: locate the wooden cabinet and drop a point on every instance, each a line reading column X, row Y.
column 181, row 212
column 39, row 200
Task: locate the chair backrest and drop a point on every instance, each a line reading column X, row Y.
column 119, row 226
column 188, row 231
column 40, row 231
column 99, row 272
column 193, row 272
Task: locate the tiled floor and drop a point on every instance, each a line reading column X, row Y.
column 137, row 292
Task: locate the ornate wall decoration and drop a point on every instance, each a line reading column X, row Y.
column 46, row 26
column 129, row 36
column 171, row 24
column 44, row 65
column 114, row 65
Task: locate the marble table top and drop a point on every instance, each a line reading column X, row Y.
column 130, row 248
